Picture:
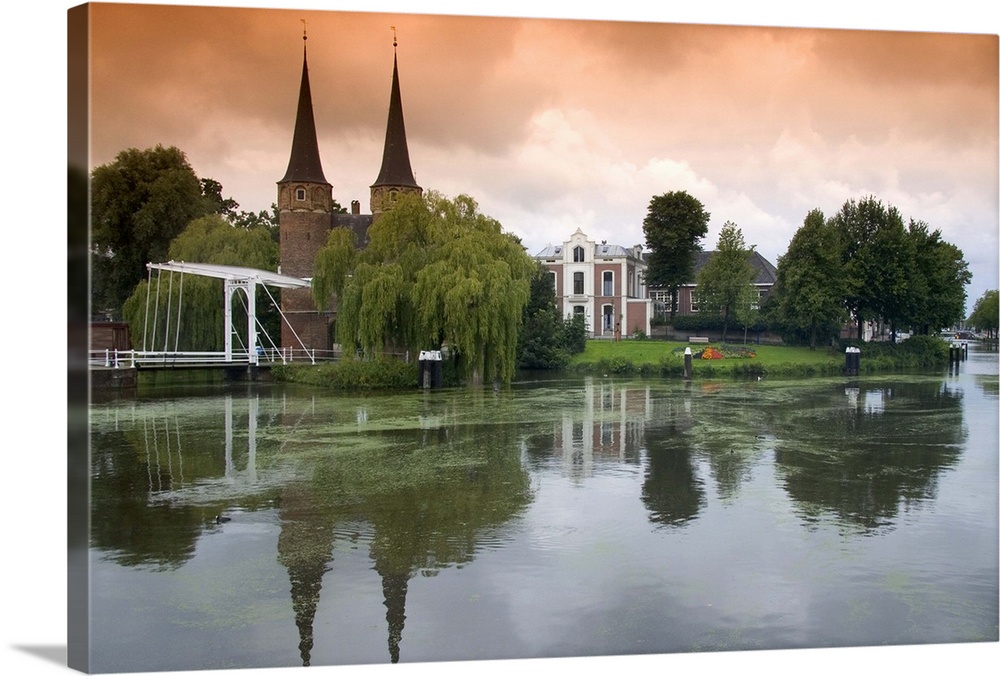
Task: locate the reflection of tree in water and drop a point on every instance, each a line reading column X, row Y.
column 672, row 491
column 731, row 435
column 861, row 453
column 431, row 497
column 129, row 468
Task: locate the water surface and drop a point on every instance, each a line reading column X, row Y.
column 564, row 517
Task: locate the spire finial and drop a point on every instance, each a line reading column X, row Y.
column 304, row 38
column 394, row 43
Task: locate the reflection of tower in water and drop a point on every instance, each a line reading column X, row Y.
column 305, row 549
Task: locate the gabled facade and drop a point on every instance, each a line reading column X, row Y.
column 603, row 282
column 305, row 210
column 687, row 297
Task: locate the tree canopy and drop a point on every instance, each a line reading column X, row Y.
column 435, row 273
column 674, row 226
column 139, row 203
column 725, row 282
column 809, row 287
column 868, row 263
column 986, row 313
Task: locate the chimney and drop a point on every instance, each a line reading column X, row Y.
column 355, row 207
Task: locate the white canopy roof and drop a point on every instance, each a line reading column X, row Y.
column 233, row 272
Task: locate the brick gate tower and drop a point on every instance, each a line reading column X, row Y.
column 306, row 210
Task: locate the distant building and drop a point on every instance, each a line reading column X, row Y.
column 603, row 282
column 687, row 297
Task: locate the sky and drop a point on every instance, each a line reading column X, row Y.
column 550, row 126
column 557, row 124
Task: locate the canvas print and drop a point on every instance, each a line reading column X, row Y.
column 420, row 338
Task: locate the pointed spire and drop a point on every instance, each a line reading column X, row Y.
column 396, row 171
column 304, row 163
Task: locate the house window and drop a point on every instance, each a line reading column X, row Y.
column 578, row 283
column 609, row 317
column 755, row 303
column 694, row 302
column 578, row 256
column 555, row 283
column 609, row 284
column 300, row 194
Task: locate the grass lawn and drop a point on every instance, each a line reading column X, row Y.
column 642, row 355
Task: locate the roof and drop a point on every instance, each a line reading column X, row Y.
column 766, row 273
column 234, row 273
column 395, row 169
column 304, row 162
column 601, row 250
column 359, row 223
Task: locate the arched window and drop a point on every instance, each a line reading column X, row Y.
column 609, row 317
column 578, row 255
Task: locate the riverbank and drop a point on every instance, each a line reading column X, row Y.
column 655, row 358
column 666, row 358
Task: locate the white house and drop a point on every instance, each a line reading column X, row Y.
column 604, row 282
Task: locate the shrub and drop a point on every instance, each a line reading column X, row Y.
column 352, row 374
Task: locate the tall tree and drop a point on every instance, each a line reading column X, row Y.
column 725, row 282
column 196, row 302
column 876, row 258
column 809, row 288
column 986, row 314
column 674, row 226
column 939, row 276
column 435, row 272
column 139, row 203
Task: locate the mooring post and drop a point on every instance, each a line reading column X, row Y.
column 852, row 361
column 687, row 363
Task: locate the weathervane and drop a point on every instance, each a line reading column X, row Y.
column 393, row 35
column 303, row 29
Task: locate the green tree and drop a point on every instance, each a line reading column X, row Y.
column 725, row 282
column 226, row 207
column 986, row 314
column 542, row 343
column 185, row 312
column 139, row 203
column 674, row 226
column 808, row 291
column 939, row 276
column 435, row 273
column 877, row 260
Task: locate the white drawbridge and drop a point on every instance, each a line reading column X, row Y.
column 236, row 280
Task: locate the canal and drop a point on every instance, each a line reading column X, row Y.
column 271, row 525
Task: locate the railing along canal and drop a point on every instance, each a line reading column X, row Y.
column 109, row 358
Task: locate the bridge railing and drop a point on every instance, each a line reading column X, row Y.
column 138, row 358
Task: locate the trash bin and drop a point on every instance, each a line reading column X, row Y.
column 430, row 369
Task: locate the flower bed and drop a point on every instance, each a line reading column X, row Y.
column 721, row 352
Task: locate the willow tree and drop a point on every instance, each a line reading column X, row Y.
column 435, row 274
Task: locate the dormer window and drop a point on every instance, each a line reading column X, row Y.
column 300, row 194
column 578, row 256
